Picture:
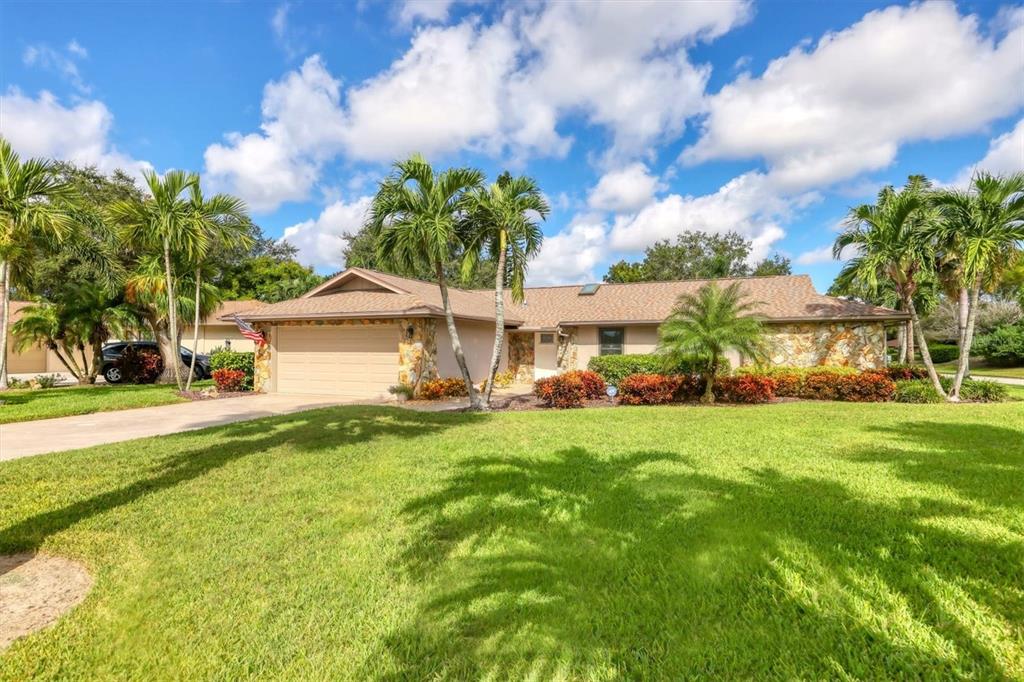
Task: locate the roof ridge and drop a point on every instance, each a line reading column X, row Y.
column 665, row 281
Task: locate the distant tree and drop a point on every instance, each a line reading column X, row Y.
column 708, row 324
column 267, row 278
column 697, row 255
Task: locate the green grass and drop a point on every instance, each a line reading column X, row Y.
column 798, row 540
column 25, row 405
column 980, row 368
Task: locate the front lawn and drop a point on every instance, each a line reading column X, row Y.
column 24, row 405
column 796, row 540
column 980, row 368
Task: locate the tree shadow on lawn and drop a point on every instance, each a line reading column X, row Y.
column 580, row 566
column 303, row 432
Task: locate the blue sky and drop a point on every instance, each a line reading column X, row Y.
column 638, row 120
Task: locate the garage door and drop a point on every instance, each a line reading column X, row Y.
column 350, row 362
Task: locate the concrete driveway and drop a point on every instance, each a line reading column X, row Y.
column 23, row 439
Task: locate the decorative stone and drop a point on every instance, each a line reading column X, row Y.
column 521, row 356
column 417, row 355
column 567, row 353
column 853, row 344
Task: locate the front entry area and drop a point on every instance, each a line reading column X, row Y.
column 353, row 362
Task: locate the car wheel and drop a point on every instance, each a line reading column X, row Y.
column 113, row 375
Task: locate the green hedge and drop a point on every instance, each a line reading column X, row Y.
column 1004, row 346
column 615, row 368
column 943, row 352
column 921, row 391
column 229, row 359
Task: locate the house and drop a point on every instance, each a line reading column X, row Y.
column 362, row 331
column 34, row 360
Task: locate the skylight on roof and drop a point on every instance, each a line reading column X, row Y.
column 589, row 289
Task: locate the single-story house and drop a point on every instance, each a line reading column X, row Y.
column 218, row 330
column 34, row 360
column 362, row 331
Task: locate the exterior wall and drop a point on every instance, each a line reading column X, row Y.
column 638, row 339
column 38, row 360
column 854, row 344
column 213, row 335
column 546, row 356
column 477, row 340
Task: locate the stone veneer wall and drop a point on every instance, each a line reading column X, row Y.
column 417, row 355
column 567, row 353
column 854, row 344
column 521, row 357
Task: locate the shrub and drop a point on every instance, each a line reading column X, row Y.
column 943, row 352
column 229, row 359
column 438, row 389
column 615, row 368
column 903, row 372
column 45, row 380
column 229, row 380
column 401, row 390
column 649, row 389
column 983, row 391
column 501, row 380
column 594, row 386
column 561, row 391
column 141, row 365
column 816, row 383
column 691, row 387
column 916, row 391
column 866, row 387
column 745, row 388
column 1004, row 346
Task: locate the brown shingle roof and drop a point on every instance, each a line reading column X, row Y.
column 780, row 298
column 228, row 308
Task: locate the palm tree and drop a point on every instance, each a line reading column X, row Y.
column 29, row 218
column 707, row 324
column 984, row 228
column 501, row 225
column 164, row 221
column 220, row 220
column 893, row 246
column 415, row 215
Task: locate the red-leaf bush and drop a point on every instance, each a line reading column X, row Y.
column 648, row 389
column 593, row 385
column 229, row 380
column 141, row 365
column 437, row 389
column 561, row 391
column 866, row 387
column 898, row 372
column 745, row 388
column 691, row 387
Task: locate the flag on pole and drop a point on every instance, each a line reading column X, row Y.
column 248, row 331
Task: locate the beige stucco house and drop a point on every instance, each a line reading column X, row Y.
column 362, row 331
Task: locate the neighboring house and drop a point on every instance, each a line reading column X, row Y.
column 34, row 360
column 362, row 331
column 218, row 330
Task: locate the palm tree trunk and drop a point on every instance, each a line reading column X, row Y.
column 709, row 384
column 901, row 335
column 172, row 324
column 962, row 310
column 965, row 342
column 63, row 360
column 911, row 351
column 499, row 320
column 925, row 354
column 71, row 363
column 195, row 337
column 5, row 310
column 453, row 334
column 97, row 354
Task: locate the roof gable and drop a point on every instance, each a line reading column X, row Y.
column 356, row 279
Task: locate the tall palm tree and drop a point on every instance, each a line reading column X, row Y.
column 164, row 221
column 984, row 227
column 707, row 324
column 893, row 246
column 29, row 218
column 415, row 214
column 221, row 220
column 501, row 225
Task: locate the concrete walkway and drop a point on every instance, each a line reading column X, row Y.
column 23, row 439
column 1009, row 381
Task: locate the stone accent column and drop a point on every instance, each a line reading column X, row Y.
column 521, row 356
column 417, row 352
column 567, row 353
column 261, row 361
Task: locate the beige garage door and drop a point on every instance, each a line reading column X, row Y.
column 351, row 362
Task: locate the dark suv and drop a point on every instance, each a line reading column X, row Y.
column 112, row 353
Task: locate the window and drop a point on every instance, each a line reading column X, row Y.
column 547, row 338
column 589, row 289
column 610, row 340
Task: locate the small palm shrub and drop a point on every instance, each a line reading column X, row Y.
column 229, row 359
column 916, row 391
column 922, row 391
column 649, row 389
column 983, row 391
column 229, row 380
column 438, row 389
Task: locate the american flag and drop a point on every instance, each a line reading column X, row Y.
column 248, row 331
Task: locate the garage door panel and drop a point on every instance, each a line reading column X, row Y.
column 347, row 361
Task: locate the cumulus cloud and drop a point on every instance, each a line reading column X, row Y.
column 43, row 127
column 303, row 126
column 1005, row 155
column 320, row 241
column 822, row 254
column 412, row 11
column 573, row 254
column 845, row 105
column 63, row 62
column 624, row 190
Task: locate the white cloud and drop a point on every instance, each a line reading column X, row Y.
column 845, row 105
column 571, row 255
column 43, row 127
column 62, row 62
column 624, row 190
column 822, row 254
column 320, row 242
column 1005, row 155
column 749, row 204
column 303, row 126
column 424, row 10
